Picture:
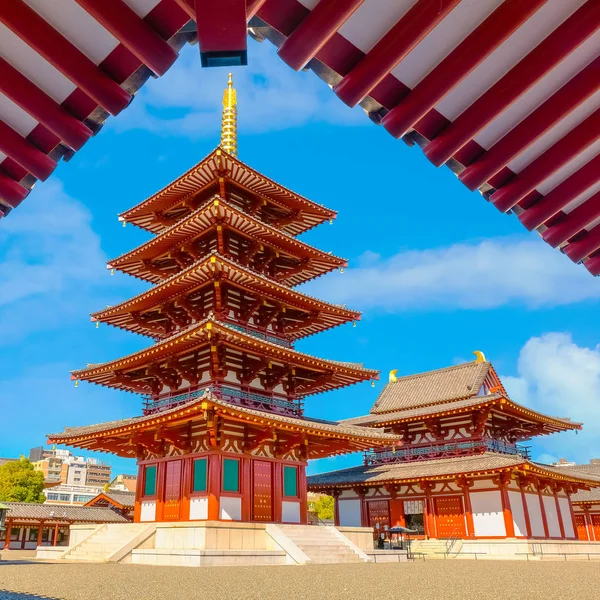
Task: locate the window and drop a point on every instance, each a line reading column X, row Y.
column 150, row 481
column 200, row 472
column 52, row 496
column 231, row 475
column 33, row 535
column 64, row 497
column 82, row 498
column 290, row 481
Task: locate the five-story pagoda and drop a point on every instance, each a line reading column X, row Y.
column 222, row 434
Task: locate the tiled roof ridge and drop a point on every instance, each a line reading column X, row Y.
column 190, row 217
column 441, row 370
column 372, row 433
column 212, row 319
column 200, row 261
column 234, row 159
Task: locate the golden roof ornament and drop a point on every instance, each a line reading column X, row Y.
column 480, row 356
column 393, row 377
column 229, row 122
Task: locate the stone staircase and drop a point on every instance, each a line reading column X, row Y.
column 437, row 548
column 105, row 543
column 323, row 544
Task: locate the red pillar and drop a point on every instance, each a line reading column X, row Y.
column 161, row 469
column 246, row 488
column 543, row 510
column 55, row 535
column 509, row 525
column 465, row 485
column 555, row 489
column 8, row 534
column 589, row 526
column 569, row 492
column 522, row 486
column 277, row 491
column 214, row 486
column 429, row 516
column 40, row 530
column 139, row 488
column 303, row 492
column 336, row 507
column 186, row 488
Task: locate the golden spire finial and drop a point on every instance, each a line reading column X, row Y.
column 229, row 123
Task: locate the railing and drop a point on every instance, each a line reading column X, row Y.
column 443, row 450
column 260, row 334
column 229, row 394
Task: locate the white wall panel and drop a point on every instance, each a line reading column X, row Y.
column 488, row 518
column 551, row 516
column 290, row 512
column 349, row 513
column 198, row 508
column 567, row 519
column 535, row 515
column 518, row 513
column 231, row 509
column 148, row 512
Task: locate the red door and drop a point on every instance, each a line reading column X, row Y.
column 262, row 494
column 172, row 491
column 450, row 517
column 582, row 533
column 379, row 516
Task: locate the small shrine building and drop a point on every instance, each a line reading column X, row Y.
column 222, row 434
column 461, row 471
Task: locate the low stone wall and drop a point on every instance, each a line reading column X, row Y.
column 359, row 536
column 528, row 549
column 207, row 558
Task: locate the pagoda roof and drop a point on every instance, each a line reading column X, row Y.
column 432, row 387
column 204, row 217
column 203, row 271
column 218, row 164
column 440, row 469
column 187, row 339
column 359, row 437
column 466, row 405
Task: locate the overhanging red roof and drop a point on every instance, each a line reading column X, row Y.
column 505, row 92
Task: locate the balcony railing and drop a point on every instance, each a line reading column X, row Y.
column 260, row 335
column 445, row 450
column 229, row 394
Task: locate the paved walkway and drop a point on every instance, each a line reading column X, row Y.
column 439, row 580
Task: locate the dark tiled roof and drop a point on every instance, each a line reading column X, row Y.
column 126, row 499
column 313, row 424
column 432, row 387
column 408, row 413
column 56, row 512
column 589, row 471
column 393, row 472
column 414, row 470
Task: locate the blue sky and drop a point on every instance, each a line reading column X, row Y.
column 436, row 270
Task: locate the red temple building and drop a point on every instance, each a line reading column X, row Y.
column 222, row 435
column 461, row 471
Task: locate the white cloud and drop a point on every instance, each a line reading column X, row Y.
column 480, row 275
column 51, row 263
column 186, row 101
column 560, row 378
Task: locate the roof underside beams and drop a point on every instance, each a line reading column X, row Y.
column 506, row 93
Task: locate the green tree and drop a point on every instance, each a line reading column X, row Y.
column 324, row 507
column 19, row 482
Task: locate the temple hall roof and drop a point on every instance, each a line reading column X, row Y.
column 591, row 470
column 444, row 468
column 118, row 498
column 24, row 511
column 432, row 387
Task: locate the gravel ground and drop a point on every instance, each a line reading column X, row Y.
column 439, row 580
